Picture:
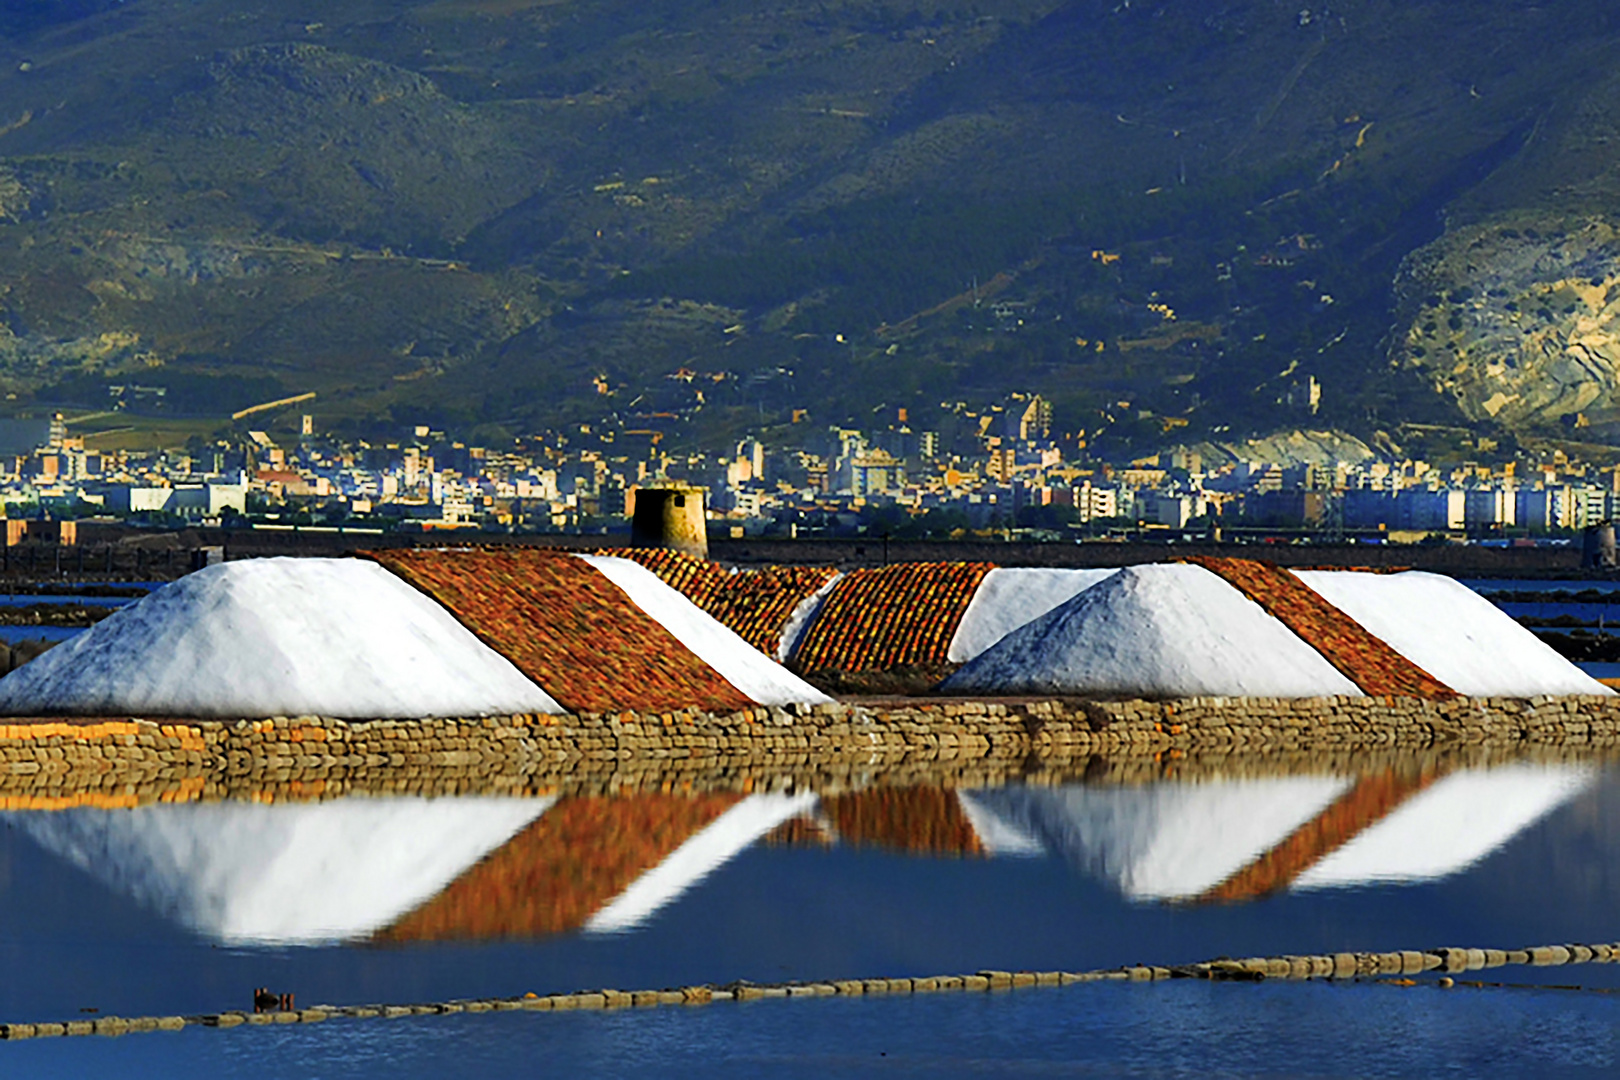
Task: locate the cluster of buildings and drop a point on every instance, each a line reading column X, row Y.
column 966, row 470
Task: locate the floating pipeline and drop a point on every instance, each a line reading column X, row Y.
column 1396, row 967
column 964, row 742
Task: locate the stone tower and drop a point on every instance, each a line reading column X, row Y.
column 671, row 517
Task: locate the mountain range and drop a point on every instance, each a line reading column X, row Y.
column 1176, row 219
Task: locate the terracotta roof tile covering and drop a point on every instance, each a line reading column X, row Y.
column 568, row 628
column 700, row 579
column 756, row 604
column 554, row 875
column 922, row 820
column 1365, row 660
column 890, row 616
column 1370, row 800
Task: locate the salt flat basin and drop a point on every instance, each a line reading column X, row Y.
column 1179, row 841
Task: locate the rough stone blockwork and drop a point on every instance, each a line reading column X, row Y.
column 833, row 747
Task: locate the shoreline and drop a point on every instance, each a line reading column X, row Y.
column 59, row 762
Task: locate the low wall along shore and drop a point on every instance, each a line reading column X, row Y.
column 124, row 762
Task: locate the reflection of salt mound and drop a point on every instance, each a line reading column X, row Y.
column 267, row 637
column 1008, row 598
column 1450, row 826
column 1452, row 632
column 284, row 874
column 1160, row 631
column 1161, row 841
column 704, row 852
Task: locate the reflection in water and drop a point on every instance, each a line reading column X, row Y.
column 412, row 869
column 1450, row 826
column 1238, row 840
column 241, row 872
column 416, row 869
column 1162, row 840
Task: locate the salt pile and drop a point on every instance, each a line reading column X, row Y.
column 1158, row 631
column 1452, row 632
column 1008, row 598
column 288, row 874
column 276, row 637
column 757, row 676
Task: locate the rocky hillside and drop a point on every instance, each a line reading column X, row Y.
column 1170, row 217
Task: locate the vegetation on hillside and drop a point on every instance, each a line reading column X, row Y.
column 1167, row 217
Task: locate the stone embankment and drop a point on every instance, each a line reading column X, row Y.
column 114, row 762
column 1398, row 967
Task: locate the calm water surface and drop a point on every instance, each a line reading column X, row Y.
column 186, row 908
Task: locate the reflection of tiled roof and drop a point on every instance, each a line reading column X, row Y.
column 924, row 820
column 1369, row 801
column 890, row 617
column 571, row 630
column 755, row 603
column 801, row 831
column 1365, row 660
column 554, row 875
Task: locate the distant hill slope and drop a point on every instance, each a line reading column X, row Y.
column 487, row 211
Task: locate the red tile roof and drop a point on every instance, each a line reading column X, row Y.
column 571, row 630
column 755, row 603
column 890, row 617
column 1364, row 659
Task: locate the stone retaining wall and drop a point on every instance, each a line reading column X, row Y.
column 829, row 747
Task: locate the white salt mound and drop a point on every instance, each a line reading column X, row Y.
column 290, row 874
column 1451, row 632
column 276, row 637
column 759, row 677
column 1008, row 598
column 1154, row 631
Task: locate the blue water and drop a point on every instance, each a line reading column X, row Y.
column 1606, row 614
column 1181, row 1028
column 1533, row 585
column 13, row 634
column 70, row 942
column 23, row 600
